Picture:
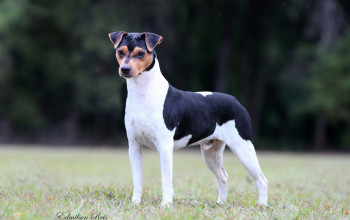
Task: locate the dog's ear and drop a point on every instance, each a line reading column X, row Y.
column 116, row 37
column 152, row 40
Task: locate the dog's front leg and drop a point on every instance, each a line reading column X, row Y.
column 135, row 156
column 166, row 166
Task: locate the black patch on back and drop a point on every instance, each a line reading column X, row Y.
column 197, row 115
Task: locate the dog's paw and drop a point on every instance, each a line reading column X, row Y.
column 262, row 203
column 220, row 201
column 166, row 203
column 136, row 201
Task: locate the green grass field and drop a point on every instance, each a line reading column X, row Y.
column 38, row 183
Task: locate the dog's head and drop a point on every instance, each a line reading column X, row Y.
column 134, row 51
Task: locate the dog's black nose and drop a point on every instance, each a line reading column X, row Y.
column 125, row 69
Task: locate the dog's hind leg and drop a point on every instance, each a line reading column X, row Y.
column 213, row 156
column 245, row 152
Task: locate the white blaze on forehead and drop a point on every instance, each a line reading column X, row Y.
column 205, row 93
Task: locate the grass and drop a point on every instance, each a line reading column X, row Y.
column 38, row 183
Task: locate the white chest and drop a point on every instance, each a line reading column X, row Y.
column 143, row 124
column 144, row 120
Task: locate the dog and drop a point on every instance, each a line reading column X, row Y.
column 160, row 116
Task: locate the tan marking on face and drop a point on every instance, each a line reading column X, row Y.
column 126, row 53
column 138, row 65
column 137, row 50
column 121, row 59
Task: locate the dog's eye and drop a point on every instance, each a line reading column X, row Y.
column 120, row 53
column 140, row 54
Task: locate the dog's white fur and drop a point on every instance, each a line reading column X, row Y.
column 145, row 126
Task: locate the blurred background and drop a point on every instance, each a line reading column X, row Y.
column 288, row 62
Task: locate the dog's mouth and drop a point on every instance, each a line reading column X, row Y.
column 129, row 76
column 126, row 76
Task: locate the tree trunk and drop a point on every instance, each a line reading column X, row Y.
column 181, row 79
column 252, row 76
column 5, row 130
column 326, row 21
column 223, row 68
column 320, row 133
column 224, row 48
column 70, row 126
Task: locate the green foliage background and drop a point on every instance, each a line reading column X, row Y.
column 59, row 82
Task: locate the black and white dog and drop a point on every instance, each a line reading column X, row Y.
column 160, row 116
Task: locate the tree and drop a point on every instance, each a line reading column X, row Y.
column 326, row 22
column 328, row 89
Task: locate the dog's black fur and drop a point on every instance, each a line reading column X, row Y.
column 197, row 115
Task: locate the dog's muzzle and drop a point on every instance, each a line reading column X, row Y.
column 125, row 70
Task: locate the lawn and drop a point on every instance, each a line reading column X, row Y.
column 43, row 183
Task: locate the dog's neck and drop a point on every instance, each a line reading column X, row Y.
column 148, row 86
